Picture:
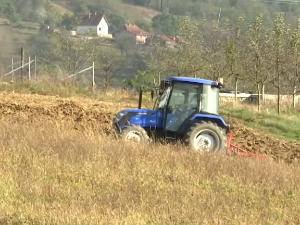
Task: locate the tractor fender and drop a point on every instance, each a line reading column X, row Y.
column 210, row 118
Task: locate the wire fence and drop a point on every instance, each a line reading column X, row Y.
column 27, row 72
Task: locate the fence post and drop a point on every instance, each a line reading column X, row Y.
column 22, row 63
column 35, row 67
column 93, row 84
column 12, row 68
column 29, row 75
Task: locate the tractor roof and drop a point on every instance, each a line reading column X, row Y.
column 192, row 80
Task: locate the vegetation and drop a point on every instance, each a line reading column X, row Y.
column 50, row 174
column 285, row 127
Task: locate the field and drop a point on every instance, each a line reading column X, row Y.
column 61, row 164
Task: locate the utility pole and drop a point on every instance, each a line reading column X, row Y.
column 220, row 12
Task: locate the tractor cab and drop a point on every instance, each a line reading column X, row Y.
column 182, row 105
column 182, row 98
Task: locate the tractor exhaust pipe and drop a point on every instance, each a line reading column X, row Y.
column 140, row 98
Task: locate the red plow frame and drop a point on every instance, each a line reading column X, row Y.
column 233, row 149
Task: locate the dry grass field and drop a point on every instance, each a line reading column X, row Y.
column 53, row 175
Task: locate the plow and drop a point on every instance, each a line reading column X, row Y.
column 237, row 151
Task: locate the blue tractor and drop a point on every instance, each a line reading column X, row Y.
column 187, row 109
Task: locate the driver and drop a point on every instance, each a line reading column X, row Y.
column 182, row 112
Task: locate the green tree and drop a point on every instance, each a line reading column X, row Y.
column 165, row 24
column 143, row 79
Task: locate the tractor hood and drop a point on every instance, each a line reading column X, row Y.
column 142, row 117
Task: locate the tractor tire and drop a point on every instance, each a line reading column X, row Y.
column 206, row 137
column 135, row 133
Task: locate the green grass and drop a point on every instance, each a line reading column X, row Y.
column 285, row 126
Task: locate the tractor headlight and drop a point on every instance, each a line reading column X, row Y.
column 119, row 116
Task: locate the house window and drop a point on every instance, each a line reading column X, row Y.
column 99, row 28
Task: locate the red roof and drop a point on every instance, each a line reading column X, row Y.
column 164, row 38
column 91, row 20
column 132, row 28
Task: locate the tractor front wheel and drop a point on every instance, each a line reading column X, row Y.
column 135, row 133
column 206, row 137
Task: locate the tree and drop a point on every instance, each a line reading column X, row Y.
column 68, row 22
column 68, row 54
column 255, row 61
column 108, row 65
column 82, row 9
column 144, row 24
column 186, row 58
column 143, row 79
column 157, row 60
column 234, row 48
column 278, row 53
column 165, row 24
column 294, row 59
column 125, row 42
column 214, row 66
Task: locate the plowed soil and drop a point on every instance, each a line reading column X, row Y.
column 256, row 142
column 96, row 115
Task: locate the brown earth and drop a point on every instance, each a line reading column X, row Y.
column 256, row 142
column 95, row 115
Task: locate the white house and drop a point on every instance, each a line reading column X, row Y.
column 95, row 24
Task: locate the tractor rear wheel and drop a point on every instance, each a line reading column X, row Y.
column 206, row 137
column 135, row 133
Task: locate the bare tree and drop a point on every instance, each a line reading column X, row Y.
column 279, row 55
column 157, row 60
column 108, row 65
column 293, row 77
column 234, row 47
column 214, row 60
column 67, row 53
column 255, row 60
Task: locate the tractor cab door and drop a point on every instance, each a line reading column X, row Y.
column 183, row 103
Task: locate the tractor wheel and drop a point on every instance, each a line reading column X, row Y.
column 206, row 137
column 135, row 133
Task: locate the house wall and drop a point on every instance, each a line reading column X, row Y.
column 85, row 29
column 140, row 39
column 102, row 28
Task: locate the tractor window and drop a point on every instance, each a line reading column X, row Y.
column 163, row 99
column 183, row 103
column 210, row 100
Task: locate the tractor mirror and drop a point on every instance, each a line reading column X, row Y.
column 221, row 81
column 152, row 94
column 162, row 85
